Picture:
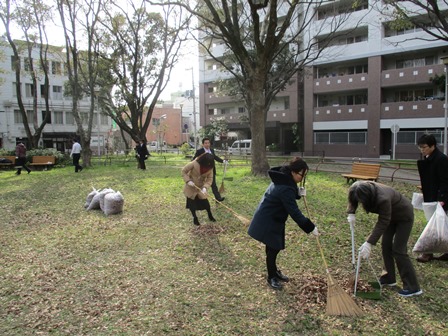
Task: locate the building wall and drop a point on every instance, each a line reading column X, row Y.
column 58, row 133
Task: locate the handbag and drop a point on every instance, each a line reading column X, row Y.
column 434, row 237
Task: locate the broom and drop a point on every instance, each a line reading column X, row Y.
column 338, row 301
column 221, row 188
column 242, row 219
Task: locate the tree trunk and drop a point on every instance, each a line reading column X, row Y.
column 260, row 165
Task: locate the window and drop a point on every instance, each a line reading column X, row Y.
column 18, row 117
column 104, row 119
column 56, row 68
column 29, row 90
column 45, row 65
column 27, row 64
column 49, row 117
column 212, row 111
column 43, row 91
column 58, row 117
column 224, row 111
column 286, row 102
column 14, row 60
column 340, row 138
column 70, row 120
column 411, row 137
column 57, row 92
column 30, row 116
column 241, row 109
column 14, row 89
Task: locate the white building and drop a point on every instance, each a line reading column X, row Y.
column 61, row 128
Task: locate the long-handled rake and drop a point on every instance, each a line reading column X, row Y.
column 338, row 301
column 242, row 219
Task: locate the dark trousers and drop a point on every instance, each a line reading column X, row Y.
column 21, row 163
column 76, row 158
column 394, row 248
column 271, row 261
column 141, row 162
column 215, row 187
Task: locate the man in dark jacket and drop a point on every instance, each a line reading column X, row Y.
column 207, row 149
column 433, row 170
column 142, row 154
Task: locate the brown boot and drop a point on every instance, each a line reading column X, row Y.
column 425, row 257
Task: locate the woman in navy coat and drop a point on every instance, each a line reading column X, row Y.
column 269, row 220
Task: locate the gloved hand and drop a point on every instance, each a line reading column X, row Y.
column 302, row 191
column 352, row 220
column 364, row 250
column 315, row 231
column 191, row 183
column 204, row 191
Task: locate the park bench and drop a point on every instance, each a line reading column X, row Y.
column 45, row 161
column 363, row 171
column 7, row 161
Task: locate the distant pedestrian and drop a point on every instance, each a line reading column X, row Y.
column 142, row 154
column 76, row 155
column 21, row 158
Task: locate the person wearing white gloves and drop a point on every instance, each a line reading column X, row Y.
column 198, row 176
column 269, row 221
column 394, row 225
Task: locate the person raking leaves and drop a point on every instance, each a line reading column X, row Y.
column 394, row 225
column 269, row 221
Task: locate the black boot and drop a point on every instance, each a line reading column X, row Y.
column 195, row 221
column 210, row 216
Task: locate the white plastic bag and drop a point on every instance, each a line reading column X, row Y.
column 90, row 197
column 417, row 201
column 429, row 208
column 113, row 203
column 434, row 237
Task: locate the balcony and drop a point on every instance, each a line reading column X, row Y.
column 410, row 76
column 342, row 112
column 341, row 82
column 415, row 109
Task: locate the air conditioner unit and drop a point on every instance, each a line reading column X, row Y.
column 7, row 103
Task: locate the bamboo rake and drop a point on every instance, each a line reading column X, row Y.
column 338, row 301
column 242, row 219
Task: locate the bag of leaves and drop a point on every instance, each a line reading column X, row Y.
column 90, row 197
column 429, row 208
column 98, row 199
column 434, row 237
column 113, row 203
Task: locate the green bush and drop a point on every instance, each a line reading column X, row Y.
column 186, row 149
column 60, row 157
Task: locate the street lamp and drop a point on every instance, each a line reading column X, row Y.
column 193, row 95
column 445, row 62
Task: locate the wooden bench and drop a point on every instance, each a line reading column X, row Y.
column 363, row 171
column 43, row 161
column 8, row 164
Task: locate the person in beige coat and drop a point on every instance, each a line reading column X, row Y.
column 198, row 177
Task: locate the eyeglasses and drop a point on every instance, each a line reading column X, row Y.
column 423, row 147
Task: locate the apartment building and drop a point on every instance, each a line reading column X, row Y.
column 370, row 82
column 61, row 128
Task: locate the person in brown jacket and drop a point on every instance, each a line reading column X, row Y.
column 198, row 177
column 394, row 225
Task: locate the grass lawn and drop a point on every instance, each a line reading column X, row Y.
column 150, row 271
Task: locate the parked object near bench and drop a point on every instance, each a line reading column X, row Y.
column 45, row 161
column 363, row 171
column 7, row 161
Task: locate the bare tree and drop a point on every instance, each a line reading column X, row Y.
column 430, row 16
column 30, row 16
column 79, row 20
column 139, row 51
column 268, row 42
